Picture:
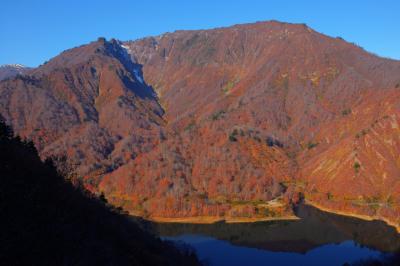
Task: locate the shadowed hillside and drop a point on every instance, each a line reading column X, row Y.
column 47, row 221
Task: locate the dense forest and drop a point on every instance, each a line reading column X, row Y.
column 48, row 221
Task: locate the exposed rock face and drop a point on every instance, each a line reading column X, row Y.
column 10, row 71
column 249, row 113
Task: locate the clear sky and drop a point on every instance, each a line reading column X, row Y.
column 33, row 31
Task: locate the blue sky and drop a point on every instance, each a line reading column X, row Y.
column 34, row 31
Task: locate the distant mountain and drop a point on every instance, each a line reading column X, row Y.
column 220, row 122
column 47, row 221
column 10, row 71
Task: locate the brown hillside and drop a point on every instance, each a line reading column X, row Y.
column 218, row 122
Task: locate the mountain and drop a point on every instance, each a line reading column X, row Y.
column 47, row 221
column 231, row 122
column 10, row 71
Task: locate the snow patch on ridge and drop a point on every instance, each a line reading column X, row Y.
column 136, row 71
column 126, row 48
column 138, row 76
column 126, row 51
column 19, row 66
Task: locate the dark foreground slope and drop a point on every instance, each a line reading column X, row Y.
column 47, row 221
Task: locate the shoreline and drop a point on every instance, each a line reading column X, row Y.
column 355, row 215
column 215, row 219
column 232, row 220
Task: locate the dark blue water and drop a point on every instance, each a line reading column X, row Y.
column 318, row 238
column 219, row 252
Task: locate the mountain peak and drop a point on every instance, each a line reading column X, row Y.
column 19, row 66
column 11, row 70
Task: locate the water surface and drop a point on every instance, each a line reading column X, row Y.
column 318, row 238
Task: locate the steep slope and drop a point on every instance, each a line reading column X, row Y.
column 245, row 117
column 289, row 63
column 10, row 71
column 356, row 166
column 47, row 221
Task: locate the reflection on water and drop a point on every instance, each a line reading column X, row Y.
column 218, row 252
column 318, row 238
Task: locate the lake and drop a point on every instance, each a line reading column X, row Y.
column 318, row 238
